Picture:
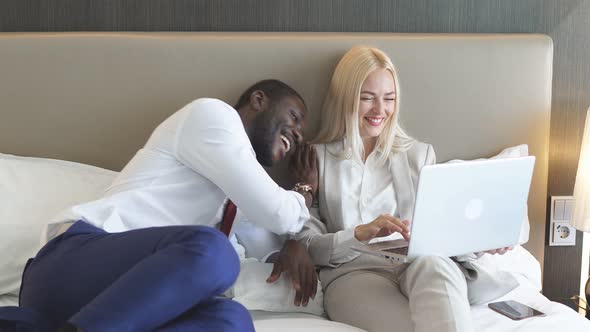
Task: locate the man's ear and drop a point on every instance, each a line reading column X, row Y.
column 258, row 100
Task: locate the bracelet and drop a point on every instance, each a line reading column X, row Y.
column 303, row 187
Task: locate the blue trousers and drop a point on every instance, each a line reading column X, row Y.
column 152, row 279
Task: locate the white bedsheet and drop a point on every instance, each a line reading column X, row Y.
column 559, row 318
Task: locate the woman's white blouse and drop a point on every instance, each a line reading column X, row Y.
column 366, row 192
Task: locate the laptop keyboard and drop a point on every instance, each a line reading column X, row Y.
column 399, row 251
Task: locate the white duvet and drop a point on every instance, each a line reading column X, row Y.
column 559, row 318
column 526, row 269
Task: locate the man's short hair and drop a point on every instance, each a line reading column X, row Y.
column 275, row 90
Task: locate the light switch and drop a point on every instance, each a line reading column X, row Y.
column 568, row 210
column 558, row 209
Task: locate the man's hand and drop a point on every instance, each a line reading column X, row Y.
column 303, row 166
column 384, row 225
column 295, row 260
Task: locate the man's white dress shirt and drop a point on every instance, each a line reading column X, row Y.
column 192, row 162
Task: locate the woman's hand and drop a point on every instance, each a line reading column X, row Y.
column 384, row 225
column 499, row 251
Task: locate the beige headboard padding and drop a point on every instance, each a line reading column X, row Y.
column 95, row 97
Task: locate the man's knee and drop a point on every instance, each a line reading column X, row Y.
column 236, row 317
column 224, row 260
column 209, row 249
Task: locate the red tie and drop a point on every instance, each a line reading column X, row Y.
column 229, row 214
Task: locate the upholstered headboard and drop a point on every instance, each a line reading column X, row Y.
column 95, row 97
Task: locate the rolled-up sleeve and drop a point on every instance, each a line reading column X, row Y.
column 327, row 249
column 344, row 240
column 212, row 141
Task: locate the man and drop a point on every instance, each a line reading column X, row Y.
column 146, row 255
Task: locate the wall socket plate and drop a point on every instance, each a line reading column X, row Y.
column 563, row 234
column 561, row 231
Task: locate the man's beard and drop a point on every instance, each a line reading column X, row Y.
column 263, row 139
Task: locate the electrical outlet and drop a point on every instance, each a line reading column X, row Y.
column 561, row 231
column 563, row 234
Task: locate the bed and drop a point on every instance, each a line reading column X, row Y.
column 93, row 99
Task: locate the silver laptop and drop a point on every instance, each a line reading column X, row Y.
column 463, row 208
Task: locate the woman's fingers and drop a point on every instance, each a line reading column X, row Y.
column 386, row 225
column 500, row 251
column 395, row 224
column 389, row 228
column 406, row 234
column 405, row 225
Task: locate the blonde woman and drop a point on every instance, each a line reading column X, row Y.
column 368, row 170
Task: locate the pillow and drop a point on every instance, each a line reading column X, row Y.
column 519, row 261
column 32, row 191
column 511, row 152
column 254, row 293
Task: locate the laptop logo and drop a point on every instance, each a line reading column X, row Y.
column 474, row 209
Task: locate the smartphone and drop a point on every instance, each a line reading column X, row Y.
column 514, row 310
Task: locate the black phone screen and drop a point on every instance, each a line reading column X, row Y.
column 514, row 310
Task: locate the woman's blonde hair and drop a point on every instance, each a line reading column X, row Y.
column 340, row 117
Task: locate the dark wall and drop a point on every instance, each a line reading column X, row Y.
column 285, row 15
column 566, row 21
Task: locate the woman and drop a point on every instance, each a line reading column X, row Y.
column 368, row 171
